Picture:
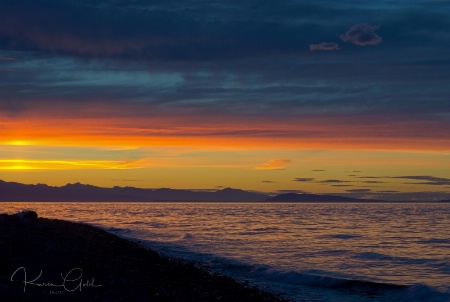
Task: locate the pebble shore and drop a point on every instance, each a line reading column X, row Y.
column 54, row 260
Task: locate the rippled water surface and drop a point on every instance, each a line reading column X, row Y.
column 313, row 252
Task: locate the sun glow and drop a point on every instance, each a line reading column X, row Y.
column 18, row 143
column 26, row 164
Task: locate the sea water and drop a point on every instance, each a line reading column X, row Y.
column 308, row 251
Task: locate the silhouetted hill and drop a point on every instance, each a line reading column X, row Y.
column 12, row 191
column 294, row 197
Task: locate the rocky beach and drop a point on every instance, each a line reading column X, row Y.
column 55, row 260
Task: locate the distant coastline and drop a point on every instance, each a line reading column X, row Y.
column 18, row 192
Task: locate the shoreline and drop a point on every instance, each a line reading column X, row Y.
column 49, row 259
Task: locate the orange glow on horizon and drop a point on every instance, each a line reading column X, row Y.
column 310, row 134
column 231, row 143
column 27, row 164
column 18, row 143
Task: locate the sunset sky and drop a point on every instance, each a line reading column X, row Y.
column 341, row 97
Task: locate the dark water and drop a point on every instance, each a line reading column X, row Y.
column 312, row 252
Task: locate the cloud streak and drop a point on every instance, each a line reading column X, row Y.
column 334, row 181
column 327, row 46
column 303, row 179
column 426, row 180
column 274, row 164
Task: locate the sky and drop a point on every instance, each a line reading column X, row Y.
column 329, row 97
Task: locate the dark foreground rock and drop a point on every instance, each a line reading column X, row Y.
column 80, row 262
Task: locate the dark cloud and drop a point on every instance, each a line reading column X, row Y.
column 421, row 179
column 328, row 46
column 426, row 180
column 268, row 181
column 362, row 35
column 373, row 182
column 427, row 23
column 161, row 30
column 204, row 30
column 334, row 181
column 342, row 185
column 359, row 190
column 201, row 30
column 303, row 179
column 318, row 170
column 291, row 191
column 204, row 59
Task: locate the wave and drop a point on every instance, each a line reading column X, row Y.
column 395, row 292
column 394, row 259
column 444, row 241
column 311, row 285
column 324, row 281
column 325, row 285
column 118, row 231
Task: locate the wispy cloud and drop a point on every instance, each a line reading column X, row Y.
column 274, row 164
column 426, row 180
column 373, row 182
column 334, row 181
column 7, row 59
column 327, row 46
column 303, row 179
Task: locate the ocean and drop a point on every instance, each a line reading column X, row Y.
column 336, row 252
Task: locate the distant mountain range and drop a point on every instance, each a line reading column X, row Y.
column 13, row 191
